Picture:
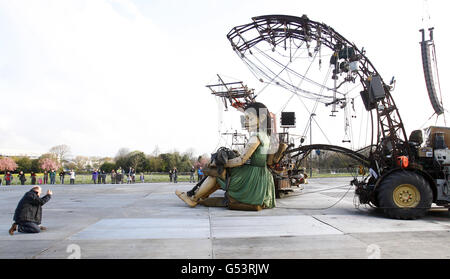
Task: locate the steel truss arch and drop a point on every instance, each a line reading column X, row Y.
column 277, row 30
column 303, row 151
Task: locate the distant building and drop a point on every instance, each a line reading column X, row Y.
column 19, row 153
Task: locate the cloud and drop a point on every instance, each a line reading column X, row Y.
column 99, row 75
column 86, row 73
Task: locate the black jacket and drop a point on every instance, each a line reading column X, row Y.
column 22, row 177
column 29, row 208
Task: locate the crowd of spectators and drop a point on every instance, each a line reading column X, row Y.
column 118, row 176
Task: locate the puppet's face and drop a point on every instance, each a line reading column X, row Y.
column 251, row 120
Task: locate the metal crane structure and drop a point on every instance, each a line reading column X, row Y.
column 236, row 93
column 402, row 179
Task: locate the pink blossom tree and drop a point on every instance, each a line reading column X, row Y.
column 7, row 164
column 49, row 164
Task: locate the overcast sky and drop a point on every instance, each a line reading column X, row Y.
column 99, row 75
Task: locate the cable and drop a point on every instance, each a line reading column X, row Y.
column 294, row 72
column 427, row 121
column 287, row 86
column 316, row 105
column 290, row 61
column 323, row 208
column 255, row 69
column 301, row 81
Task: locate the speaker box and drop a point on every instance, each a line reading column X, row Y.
column 376, row 89
column 288, row 119
column 366, row 100
column 429, row 81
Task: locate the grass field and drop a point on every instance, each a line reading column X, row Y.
column 87, row 179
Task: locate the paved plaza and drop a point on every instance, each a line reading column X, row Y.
column 148, row 220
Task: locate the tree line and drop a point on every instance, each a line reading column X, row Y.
column 164, row 162
column 58, row 159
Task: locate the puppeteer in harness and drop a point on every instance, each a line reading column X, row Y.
column 245, row 178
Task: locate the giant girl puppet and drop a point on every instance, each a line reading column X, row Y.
column 246, row 179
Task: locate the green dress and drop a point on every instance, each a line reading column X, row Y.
column 253, row 184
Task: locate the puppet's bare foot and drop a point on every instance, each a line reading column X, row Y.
column 183, row 196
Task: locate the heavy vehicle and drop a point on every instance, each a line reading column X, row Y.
column 401, row 175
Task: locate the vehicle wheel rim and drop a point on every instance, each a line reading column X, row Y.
column 406, row 196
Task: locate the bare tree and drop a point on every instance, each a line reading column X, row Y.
column 156, row 152
column 96, row 161
column 80, row 162
column 61, row 152
column 137, row 160
column 122, row 152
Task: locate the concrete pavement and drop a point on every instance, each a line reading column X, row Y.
column 149, row 221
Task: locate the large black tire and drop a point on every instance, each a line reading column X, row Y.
column 404, row 195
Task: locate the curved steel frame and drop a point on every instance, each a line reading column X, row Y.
column 303, row 152
column 276, row 29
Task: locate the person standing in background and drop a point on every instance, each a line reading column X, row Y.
column 45, row 177
column 22, row 178
column 52, row 176
column 199, row 173
column 113, row 177
column 133, row 175
column 33, row 178
column 99, row 176
column 8, row 178
column 72, row 177
column 119, row 176
column 192, row 178
column 103, row 177
column 175, row 175
column 130, row 172
column 94, row 176
column 62, row 173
